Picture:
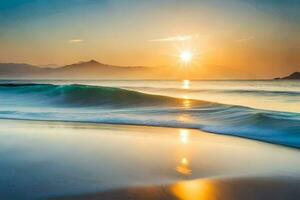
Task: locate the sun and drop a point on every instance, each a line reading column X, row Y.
column 186, row 56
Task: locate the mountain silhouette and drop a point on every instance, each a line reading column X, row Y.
column 82, row 70
column 293, row 76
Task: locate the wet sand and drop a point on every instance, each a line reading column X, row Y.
column 41, row 160
column 250, row 188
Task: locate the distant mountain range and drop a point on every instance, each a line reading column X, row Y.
column 293, row 76
column 82, row 70
column 95, row 70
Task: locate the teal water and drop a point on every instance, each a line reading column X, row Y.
column 263, row 110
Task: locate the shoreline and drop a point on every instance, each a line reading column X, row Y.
column 155, row 126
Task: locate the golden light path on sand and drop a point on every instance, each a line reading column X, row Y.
column 184, row 136
column 183, row 167
column 78, row 156
column 194, row 190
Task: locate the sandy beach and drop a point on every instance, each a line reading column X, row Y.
column 277, row 188
column 103, row 161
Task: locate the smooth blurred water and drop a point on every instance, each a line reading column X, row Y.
column 262, row 110
column 271, row 95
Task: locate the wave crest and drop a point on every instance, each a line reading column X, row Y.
column 87, row 95
column 84, row 103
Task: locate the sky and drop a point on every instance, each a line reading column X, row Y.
column 228, row 39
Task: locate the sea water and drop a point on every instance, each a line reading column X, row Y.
column 263, row 110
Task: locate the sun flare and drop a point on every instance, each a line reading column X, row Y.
column 186, row 56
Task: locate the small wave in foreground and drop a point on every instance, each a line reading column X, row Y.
column 99, row 104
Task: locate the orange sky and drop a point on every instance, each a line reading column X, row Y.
column 232, row 39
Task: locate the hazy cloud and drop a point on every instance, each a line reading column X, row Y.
column 75, row 41
column 178, row 38
column 246, row 39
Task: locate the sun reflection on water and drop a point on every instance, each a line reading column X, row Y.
column 184, row 118
column 185, row 84
column 186, row 102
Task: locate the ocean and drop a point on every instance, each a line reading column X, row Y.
column 262, row 110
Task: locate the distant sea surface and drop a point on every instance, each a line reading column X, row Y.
column 262, row 110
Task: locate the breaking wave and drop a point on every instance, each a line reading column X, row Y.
column 98, row 104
